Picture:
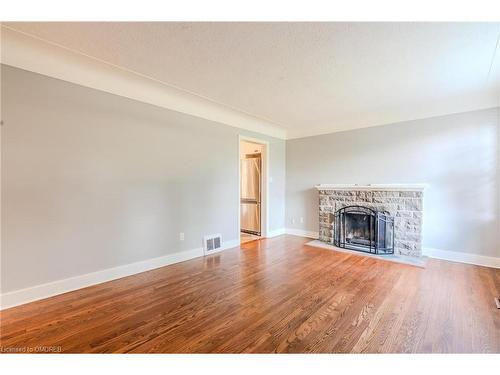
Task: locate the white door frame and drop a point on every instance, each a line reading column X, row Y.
column 264, row 205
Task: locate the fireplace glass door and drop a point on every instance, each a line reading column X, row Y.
column 358, row 229
column 364, row 229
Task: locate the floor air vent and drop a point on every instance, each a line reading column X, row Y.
column 212, row 243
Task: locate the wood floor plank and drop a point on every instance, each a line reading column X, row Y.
column 271, row 296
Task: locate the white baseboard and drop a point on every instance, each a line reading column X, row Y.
column 455, row 256
column 276, row 232
column 230, row 244
column 302, row 233
column 22, row 296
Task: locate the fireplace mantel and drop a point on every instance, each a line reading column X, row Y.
column 377, row 187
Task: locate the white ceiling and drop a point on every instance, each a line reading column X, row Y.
column 309, row 78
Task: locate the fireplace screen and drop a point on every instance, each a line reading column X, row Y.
column 364, row 229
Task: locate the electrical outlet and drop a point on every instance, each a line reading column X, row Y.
column 293, row 220
column 181, row 236
column 302, row 220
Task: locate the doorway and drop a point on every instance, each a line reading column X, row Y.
column 253, row 170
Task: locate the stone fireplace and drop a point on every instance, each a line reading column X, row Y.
column 381, row 219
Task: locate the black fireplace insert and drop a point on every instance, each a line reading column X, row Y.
column 364, row 229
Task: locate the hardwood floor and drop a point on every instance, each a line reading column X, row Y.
column 246, row 237
column 273, row 295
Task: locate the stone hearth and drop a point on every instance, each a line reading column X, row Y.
column 403, row 202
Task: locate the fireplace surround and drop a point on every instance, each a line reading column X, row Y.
column 402, row 203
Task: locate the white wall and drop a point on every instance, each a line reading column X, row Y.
column 91, row 180
column 457, row 155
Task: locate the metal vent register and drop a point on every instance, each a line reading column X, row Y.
column 212, row 242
